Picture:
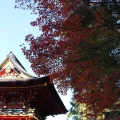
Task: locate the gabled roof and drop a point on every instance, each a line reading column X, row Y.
column 14, row 77
column 16, row 65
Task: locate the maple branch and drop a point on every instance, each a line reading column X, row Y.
column 95, row 49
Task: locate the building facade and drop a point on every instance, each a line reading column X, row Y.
column 25, row 97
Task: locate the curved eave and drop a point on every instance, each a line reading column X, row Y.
column 58, row 99
column 7, row 58
column 15, row 63
column 47, row 92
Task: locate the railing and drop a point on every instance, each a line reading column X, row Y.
column 6, row 111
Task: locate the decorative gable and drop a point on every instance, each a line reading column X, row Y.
column 12, row 68
column 8, row 72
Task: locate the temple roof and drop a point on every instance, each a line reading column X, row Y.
column 11, row 63
column 14, row 78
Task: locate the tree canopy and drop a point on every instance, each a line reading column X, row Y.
column 78, row 48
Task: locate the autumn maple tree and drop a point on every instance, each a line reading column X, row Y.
column 78, row 48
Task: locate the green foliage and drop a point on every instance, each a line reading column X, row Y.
column 87, row 14
column 74, row 112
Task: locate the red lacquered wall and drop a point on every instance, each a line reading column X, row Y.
column 10, row 117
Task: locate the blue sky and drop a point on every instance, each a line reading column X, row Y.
column 14, row 26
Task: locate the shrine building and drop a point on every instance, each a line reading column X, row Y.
column 25, row 97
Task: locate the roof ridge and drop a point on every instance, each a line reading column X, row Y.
column 16, row 63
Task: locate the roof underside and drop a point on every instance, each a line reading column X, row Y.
column 47, row 97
